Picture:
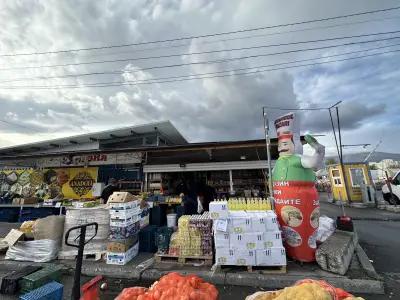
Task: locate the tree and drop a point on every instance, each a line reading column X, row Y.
column 373, row 167
column 330, row 161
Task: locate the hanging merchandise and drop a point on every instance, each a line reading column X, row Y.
column 296, row 198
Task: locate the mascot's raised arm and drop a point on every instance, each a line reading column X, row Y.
column 296, row 198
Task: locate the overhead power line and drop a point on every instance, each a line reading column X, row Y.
column 207, row 35
column 159, row 47
column 202, row 52
column 230, row 70
column 115, row 72
column 203, row 77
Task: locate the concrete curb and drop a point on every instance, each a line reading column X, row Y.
column 366, row 264
column 266, row 281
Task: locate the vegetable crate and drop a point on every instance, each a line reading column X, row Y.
column 184, row 260
column 9, row 283
column 39, row 278
column 50, row 291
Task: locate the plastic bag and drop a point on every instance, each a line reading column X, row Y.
column 325, row 229
column 51, row 227
column 36, row 251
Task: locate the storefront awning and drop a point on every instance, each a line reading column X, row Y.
column 210, row 166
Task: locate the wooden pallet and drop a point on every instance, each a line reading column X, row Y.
column 184, row 260
column 254, row 269
column 90, row 257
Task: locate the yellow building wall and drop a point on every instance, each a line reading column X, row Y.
column 339, row 192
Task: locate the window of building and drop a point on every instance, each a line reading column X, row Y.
column 357, row 177
column 337, row 180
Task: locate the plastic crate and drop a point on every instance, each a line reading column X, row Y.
column 147, row 239
column 41, row 277
column 50, row 291
column 9, row 283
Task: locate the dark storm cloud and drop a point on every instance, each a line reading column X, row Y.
column 208, row 109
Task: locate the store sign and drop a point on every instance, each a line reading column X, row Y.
column 97, row 159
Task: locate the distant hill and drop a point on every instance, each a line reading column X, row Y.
column 359, row 157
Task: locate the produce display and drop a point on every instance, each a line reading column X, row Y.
column 307, row 289
column 173, row 286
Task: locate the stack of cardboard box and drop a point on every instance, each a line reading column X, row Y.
column 246, row 238
column 125, row 217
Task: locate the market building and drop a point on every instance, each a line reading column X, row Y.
column 152, row 157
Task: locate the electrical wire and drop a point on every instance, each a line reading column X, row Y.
column 205, row 77
column 238, row 38
column 238, row 69
column 203, row 52
column 207, row 35
column 115, row 72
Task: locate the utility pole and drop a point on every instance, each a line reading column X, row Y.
column 341, row 157
column 268, row 145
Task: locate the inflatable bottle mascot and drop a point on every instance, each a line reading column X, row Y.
column 296, row 198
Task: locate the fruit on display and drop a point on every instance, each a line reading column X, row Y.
column 173, row 286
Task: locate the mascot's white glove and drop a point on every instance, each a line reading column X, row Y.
column 313, row 161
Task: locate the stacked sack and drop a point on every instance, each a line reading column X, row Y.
column 80, row 216
column 246, row 238
column 125, row 215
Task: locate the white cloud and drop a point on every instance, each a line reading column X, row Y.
column 207, row 109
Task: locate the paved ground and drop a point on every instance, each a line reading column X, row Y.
column 378, row 234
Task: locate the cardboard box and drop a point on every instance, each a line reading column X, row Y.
column 254, row 240
column 218, row 209
column 13, row 237
column 239, row 222
column 122, row 245
column 225, row 256
column 124, row 213
column 97, row 189
column 237, row 241
column 124, row 232
column 258, row 221
column 121, row 197
column 245, row 257
column 124, row 205
column 116, row 258
column 123, row 222
column 272, row 221
column 272, row 239
column 221, row 240
column 275, row 256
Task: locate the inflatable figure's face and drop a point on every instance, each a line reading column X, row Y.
column 285, row 147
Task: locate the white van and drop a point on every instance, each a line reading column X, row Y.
column 395, row 185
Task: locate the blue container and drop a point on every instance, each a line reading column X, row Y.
column 50, row 291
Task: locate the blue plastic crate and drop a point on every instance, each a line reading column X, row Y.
column 50, row 291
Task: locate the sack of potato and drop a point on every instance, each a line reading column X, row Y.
column 307, row 289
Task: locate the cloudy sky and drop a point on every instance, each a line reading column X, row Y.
column 39, row 102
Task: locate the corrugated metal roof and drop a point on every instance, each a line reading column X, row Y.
column 165, row 128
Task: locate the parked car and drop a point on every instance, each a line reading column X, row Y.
column 394, row 197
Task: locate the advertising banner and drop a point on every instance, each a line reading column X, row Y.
column 68, row 183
